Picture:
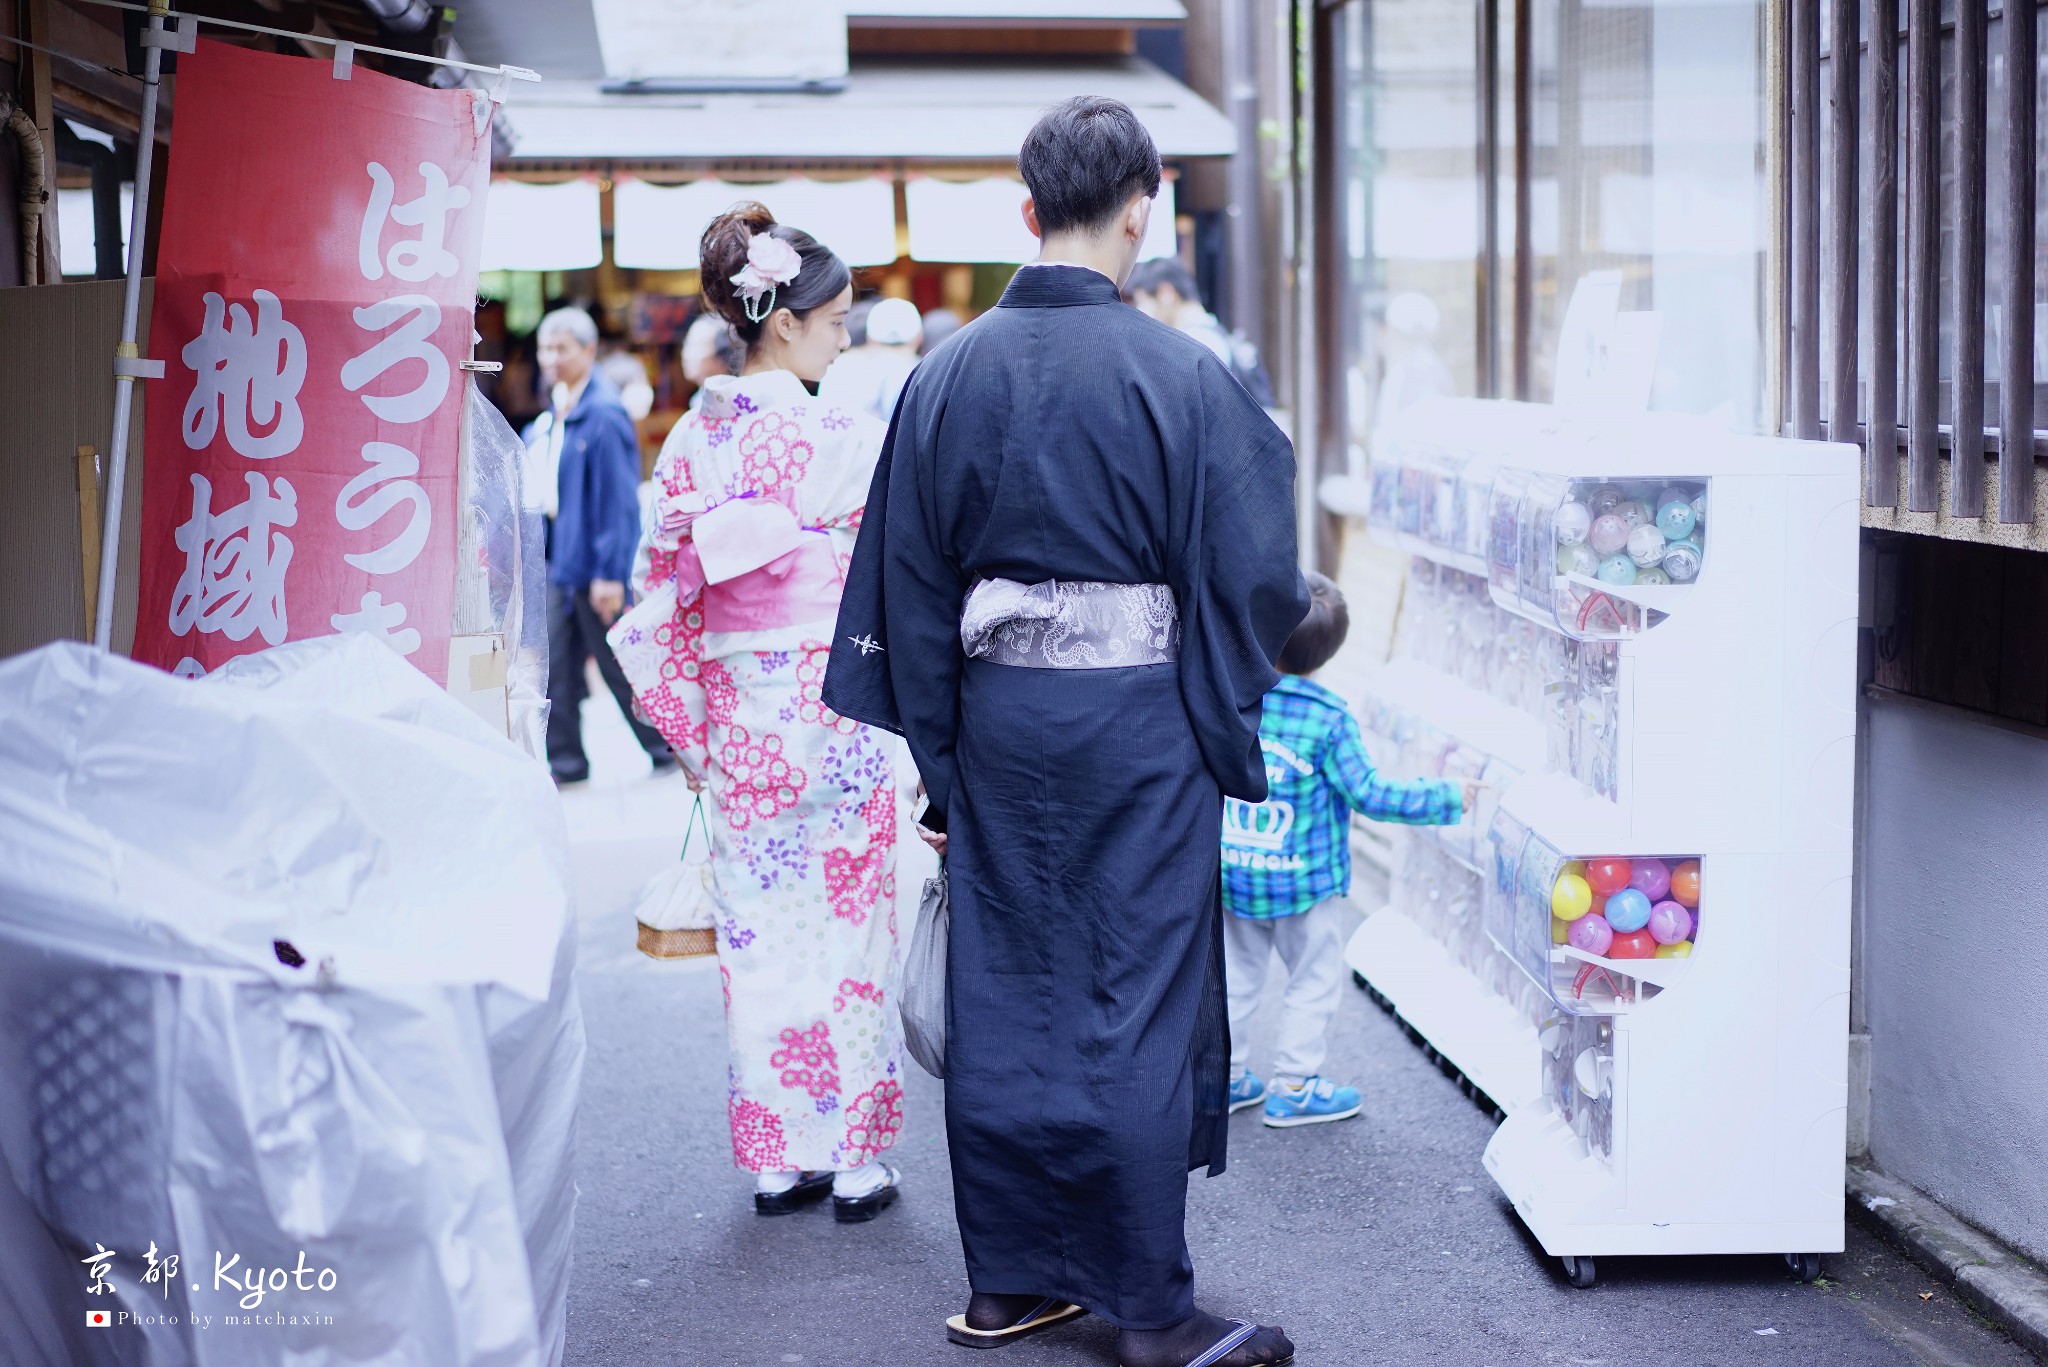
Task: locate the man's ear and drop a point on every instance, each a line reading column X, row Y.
column 1138, row 217
column 1031, row 217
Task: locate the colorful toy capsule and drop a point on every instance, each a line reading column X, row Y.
column 1651, row 877
column 1608, row 534
column 1571, row 522
column 1628, row 910
column 1685, row 883
column 1653, row 575
column 1646, row 546
column 1634, row 944
column 1681, row 950
column 1608, row 876
column 1577, row 558
column 1634, row 512
column 1559, row 930
column 1617, row 569
column 1675, row 519
column 1682, row 561
column 1669, row 923
column 1590, row 933
column 1603, row 499
column 1571, row 898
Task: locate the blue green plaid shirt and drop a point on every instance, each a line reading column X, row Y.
column 1284, row 855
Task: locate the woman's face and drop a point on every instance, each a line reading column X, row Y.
column 808, row 345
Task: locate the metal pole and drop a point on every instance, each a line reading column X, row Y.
column 1844, row 67
column 1881, row 232
column 1805, row 204
column 1489, row 199
column 2016, row 280
column 1307, row 389
column 1923, row 253
column 131, row 303
column 1525, row 163
column 1241, row 89
column 1966, row 266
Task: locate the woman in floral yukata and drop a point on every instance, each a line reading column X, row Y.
column 759, row 495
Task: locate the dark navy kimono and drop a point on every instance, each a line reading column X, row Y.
column 1067, row 436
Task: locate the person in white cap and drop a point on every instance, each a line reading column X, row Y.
column 871, row 375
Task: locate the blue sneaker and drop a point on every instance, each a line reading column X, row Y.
column 1246, row 1091
column 1311, row 1103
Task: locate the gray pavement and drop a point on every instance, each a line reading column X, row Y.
column 1373, row 1241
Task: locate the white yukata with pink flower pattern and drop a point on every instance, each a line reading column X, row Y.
column 804, row 847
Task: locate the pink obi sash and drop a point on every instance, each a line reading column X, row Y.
column 757, row 565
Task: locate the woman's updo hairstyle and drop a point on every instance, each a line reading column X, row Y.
column 724, row 251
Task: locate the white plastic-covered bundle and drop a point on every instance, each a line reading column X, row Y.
column 501, row 579
column 285, row 991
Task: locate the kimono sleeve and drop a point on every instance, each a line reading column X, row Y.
column 1239, row 583
column 896, row 659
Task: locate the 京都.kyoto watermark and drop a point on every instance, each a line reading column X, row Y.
column 249, row 1283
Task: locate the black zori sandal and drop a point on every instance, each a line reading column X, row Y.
column 853, row 1210
column 810, row 1187
column 1048, row 1312
column 1241, row 1333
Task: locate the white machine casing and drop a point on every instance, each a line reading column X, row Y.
column 1736, row 741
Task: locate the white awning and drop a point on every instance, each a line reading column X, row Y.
column 530, row 227
column 960, row 110
column 1024, row 12
column 983, row 220
column 657, row 227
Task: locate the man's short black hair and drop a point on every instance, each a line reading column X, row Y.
column 1084, row 160
column 1321, row 634
column 1168, row 272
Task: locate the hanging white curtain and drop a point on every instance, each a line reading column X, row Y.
column 982, row 220
column 657, row 227
column 531, row 227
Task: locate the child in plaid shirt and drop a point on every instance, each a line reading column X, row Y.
column 1287, row 869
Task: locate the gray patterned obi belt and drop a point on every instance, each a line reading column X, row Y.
column 1059, row 625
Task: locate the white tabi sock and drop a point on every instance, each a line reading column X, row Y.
column 865, row 1180
column 775, row 1183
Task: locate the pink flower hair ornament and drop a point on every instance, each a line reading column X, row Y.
column 770, row 262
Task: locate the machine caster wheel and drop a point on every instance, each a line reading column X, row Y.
column 1805, row 1267
column 1578, row 1271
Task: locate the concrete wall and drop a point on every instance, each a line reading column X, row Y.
column 1954, row 867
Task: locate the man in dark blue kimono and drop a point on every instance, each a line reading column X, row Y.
column 1076, row 567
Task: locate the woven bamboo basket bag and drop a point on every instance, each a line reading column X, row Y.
column 676, row 915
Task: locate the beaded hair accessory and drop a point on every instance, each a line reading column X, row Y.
column 770, row 262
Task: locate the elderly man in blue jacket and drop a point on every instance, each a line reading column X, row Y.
column 585, row 474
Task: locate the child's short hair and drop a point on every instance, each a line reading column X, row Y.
column 1321, row 634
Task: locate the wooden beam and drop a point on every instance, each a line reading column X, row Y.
column 89, row 533
column 36, row 99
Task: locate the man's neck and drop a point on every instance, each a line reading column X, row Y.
column 569, row 391
column 1102, row 253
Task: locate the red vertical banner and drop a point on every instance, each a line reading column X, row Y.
column 315, row 294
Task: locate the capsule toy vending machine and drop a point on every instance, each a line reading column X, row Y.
column 1673, row 876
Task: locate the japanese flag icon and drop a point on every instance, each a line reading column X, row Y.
column 98, row 1319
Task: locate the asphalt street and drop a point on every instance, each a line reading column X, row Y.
column 1378, row 1240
